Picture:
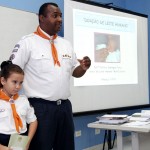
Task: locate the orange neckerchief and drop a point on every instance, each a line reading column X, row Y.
column 54, row 51
column 18, row 122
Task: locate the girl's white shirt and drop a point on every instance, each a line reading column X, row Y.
column 24, row 110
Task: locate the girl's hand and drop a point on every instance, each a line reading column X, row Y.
column 2, row 147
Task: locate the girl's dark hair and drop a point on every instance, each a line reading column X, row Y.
column 7, row 68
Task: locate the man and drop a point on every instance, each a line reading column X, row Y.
column 49, row 61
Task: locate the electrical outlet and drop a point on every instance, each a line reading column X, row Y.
column 97, row 131
column 77, row 133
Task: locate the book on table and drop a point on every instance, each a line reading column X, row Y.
column 113, row 119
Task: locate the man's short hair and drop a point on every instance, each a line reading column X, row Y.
column 42, row 10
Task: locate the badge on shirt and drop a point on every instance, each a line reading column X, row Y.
column 66, row 56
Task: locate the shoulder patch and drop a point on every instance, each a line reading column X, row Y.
column 17, row 46
column 12, row 57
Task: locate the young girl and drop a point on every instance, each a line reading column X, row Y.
column 15, row 110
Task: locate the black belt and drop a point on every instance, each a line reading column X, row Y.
column 57, row 102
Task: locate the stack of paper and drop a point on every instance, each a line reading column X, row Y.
column 145, row 113
column 142, row 119
column 136, row 115
column 137, row 123
column 144, row 116
column 113, row 119
column 114, row 116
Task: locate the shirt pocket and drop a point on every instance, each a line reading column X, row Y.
column 3, row 114
column 4, row 120
column 22, row 113
column 66, row 62
column 42, row 63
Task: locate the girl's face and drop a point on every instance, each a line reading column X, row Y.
column 12, row 84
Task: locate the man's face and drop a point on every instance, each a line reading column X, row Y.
column 52, row 21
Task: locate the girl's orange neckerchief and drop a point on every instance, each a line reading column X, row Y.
column 17, row 119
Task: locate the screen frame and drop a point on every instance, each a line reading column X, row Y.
column 110, row 6
column 107, row 6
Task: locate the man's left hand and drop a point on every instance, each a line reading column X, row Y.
column 85, row 63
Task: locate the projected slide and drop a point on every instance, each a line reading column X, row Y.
column 111, row 43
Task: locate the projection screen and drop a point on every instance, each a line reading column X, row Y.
column 117, row 44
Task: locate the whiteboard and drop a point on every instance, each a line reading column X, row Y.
column 13, row 25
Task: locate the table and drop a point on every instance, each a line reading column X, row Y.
column 140, row 135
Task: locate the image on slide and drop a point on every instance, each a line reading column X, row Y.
column 107, row 48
